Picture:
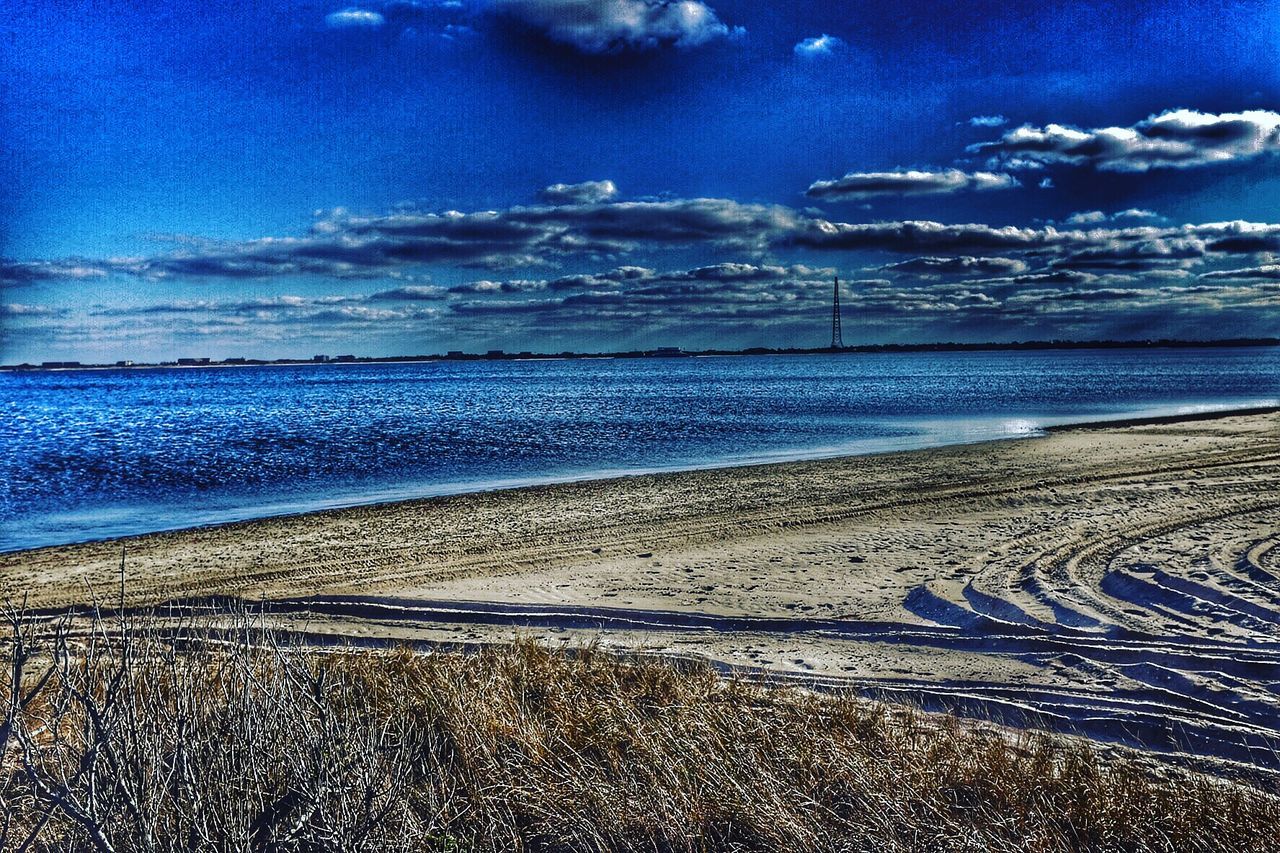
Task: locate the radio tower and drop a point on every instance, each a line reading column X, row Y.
column 837, row 342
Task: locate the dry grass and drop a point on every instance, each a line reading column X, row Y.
column 126, row 740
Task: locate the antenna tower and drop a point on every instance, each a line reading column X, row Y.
column 837, row 342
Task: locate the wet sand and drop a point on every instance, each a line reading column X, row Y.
column 1117, row 581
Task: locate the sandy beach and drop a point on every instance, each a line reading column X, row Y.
column 1118, row 581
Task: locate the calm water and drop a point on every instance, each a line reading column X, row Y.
column 92, row 454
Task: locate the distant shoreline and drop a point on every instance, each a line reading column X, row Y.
column 661, row 352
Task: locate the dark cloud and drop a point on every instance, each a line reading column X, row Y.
column 1176, row 139
column 1137, row 242
column 342, row 245
column 523, row 235
column 595, row 27
column 908, row 182
column 1246, row 244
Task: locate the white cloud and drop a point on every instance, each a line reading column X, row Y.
column 1175, row 139
column 987, row 121
column 1135, row 213
column 861, row 185
column 1087, row 217
column 13, row 309
column 354, row 18
column 1094, row 217
column 817, row 46
column 587, row 192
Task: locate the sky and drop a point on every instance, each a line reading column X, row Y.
column 391, row 178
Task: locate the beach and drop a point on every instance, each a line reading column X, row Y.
column 1116, row 581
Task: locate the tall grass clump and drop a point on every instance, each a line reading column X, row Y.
column 120, row 736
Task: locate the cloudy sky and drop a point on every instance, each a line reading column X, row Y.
column 393, row 177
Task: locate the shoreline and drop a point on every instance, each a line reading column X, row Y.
column 1119, row 582
column 608, row 475
column 1160, row 420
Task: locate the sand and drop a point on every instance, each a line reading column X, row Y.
column 1121, row 582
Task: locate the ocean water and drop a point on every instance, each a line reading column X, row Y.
column 92, row 454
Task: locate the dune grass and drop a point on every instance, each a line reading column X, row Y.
column 117, row 738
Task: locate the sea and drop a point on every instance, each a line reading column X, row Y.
column 93, row 454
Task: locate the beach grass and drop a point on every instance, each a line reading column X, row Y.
column 125, row 737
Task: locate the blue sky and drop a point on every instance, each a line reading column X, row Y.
column 403, row 177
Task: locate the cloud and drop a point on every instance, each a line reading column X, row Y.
column 354, row 18
column 396, row 245
column 28, row 272
column 961, row 265
column 608, row 26
column 595, row 281
column 968, row 297
column 815, row 47
column 988, row 121
column 343, row 245
column 1266, row 272
column 1087, row 217
column 411, row 293
column 1049, row 303
column 483, row 286
column 924, row 235
column 1134, row 242
column 1094, row 217
column 13, row 309
column 1175, row 139
column 906, row 182
column 530, row 235
column 587, row 192
column 631, row 276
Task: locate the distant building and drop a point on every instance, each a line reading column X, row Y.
column 236, row 360
column 320, row 359
column 192, row 362
column 128, row 362
column 668, row 352
column 59, row 364
column 455, row 353
column 343, row 359
column 495, row 353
